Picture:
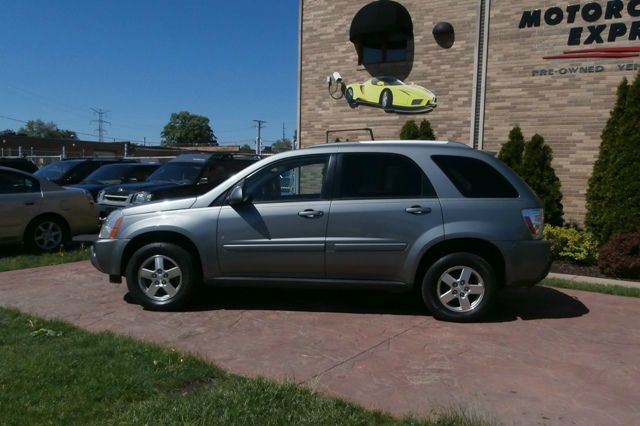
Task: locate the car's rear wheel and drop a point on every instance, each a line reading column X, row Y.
column 386, row 99
column 162, row 276
column 349, row 97
column 459, row 287
column 46, row 234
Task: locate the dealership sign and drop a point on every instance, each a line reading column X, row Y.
column 601, row 31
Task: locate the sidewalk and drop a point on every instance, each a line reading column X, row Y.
column 594, row 280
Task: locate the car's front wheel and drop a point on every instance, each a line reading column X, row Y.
column 162, row 276
column 459, row 287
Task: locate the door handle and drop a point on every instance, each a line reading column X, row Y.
column 310, row 213
column 29, row 203
column 418, row 210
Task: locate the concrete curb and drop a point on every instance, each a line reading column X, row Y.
column 594, row 280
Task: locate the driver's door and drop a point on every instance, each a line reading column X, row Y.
column 280, row 230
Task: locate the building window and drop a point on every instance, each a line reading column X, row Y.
column 380, row 32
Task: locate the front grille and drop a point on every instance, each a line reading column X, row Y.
column 119, row 200
column 416, row 101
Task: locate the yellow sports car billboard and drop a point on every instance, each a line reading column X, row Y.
column 392, row 95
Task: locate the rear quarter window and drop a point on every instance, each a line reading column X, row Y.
column 475, row 178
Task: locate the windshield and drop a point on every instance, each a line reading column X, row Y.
column 388, row 81
column 57, row 170
column 109, row 175
column 177, row 172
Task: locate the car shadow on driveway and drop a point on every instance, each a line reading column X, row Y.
column 526, row 304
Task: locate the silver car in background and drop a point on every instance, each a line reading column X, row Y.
column 40, row 213
column 455, row 223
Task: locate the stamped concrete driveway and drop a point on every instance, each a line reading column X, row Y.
column 546, row 357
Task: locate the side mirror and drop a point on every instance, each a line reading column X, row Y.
column 237, row 196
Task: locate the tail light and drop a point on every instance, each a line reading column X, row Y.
column 534, row 219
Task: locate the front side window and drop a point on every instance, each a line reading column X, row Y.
column 474, row 178
column 289, row 180
column 13, row 183
column 181, row 173
column 382, row 176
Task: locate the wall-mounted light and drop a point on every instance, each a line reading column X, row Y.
column 444, row 34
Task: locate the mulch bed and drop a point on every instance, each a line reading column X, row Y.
column 562, row 267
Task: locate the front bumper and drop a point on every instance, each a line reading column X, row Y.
column 106, row 256
column 526, row 262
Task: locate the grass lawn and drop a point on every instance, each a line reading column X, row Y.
column 54, row 373
column 616, row 290
column 19, row 258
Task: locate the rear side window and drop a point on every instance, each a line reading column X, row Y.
column 474, row 178
column 382, row 176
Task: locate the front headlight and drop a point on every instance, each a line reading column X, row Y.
column 111, row 226
column 141, row 197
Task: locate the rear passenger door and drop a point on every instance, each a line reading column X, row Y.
column 20, row 200
column 382, row 204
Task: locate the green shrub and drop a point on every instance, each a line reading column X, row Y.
column 571, row 244
column 537, row 171
column 425, row 132
column 613, row 196
column 511, row 152
column 620, row 256
column 410, row 131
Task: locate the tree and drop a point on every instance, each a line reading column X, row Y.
column 40, row 129
column 281, row 145
column 537, row 171
column 425, row 132
column 8, row 132
column 185, row 128
column 410, row 131
column 512, row 151
column 246, row 147
column 613, row 195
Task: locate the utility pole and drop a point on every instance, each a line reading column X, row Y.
column 260, row 125
column 283, row 132
column 101, row 122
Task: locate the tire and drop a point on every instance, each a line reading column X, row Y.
column 459, row 287
column 349, row 97
column 162, row 277
column 386, row 100
column 46, row 234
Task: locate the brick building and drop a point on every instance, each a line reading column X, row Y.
column 551, row 67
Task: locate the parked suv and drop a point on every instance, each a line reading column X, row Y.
column 187, row 175
column 453, row 222
column 112, row 174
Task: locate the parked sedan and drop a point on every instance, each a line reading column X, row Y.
column 40, row 213
column 69, row 172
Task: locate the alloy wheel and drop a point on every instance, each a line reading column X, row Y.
column 159, row 278
column 460, row 289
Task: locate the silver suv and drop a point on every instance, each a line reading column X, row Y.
column 452, row 222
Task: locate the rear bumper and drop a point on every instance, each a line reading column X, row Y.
column 106, row 256
column 526, row 262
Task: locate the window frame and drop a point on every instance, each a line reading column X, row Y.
column 37, row 188
column 327, row 183
column 338, row 178
column 462, row 192
column 384, row 47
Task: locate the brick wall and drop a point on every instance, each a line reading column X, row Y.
column 448, row 73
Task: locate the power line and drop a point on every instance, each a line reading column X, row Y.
column 101, row 122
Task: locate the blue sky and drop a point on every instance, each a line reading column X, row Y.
column 231, row 61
